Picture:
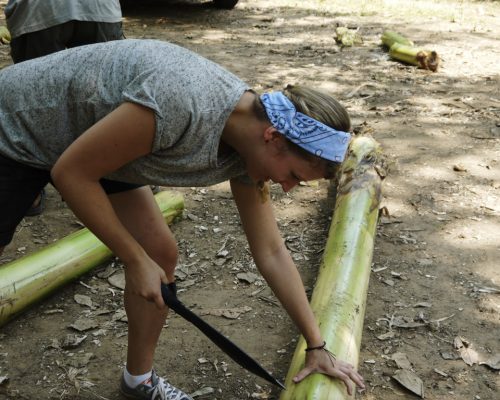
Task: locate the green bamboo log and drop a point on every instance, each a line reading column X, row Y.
column 25, row 281
column 391, row 37
column 339, row 297
column 4, row 35
column 425, row 59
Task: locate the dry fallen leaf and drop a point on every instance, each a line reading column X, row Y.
column 118, row 280
column 263, row 395
column 202, row 392
column 410, row 381
column 72, row 374
column 107, row 272
column 247, row 277
column 469, row 355
column 493, row 361
column 388, row 282
column 83, row 300
column 400, row 322
column 120, row 315
column 401, row 360
column 486, row 289
column 442, row 373
column 449, row 356
column 71, row 341
column 387, row 335
column 84, row 324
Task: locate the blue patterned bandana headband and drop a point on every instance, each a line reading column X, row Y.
column 315, row 137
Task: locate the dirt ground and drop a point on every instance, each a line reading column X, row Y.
column 435, row 273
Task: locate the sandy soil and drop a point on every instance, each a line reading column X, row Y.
column 436, row 256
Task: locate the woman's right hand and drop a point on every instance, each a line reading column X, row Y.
column 323, row 362
column 144, row 278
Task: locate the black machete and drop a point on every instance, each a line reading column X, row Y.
column 169, row 294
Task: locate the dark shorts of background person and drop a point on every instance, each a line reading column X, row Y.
column 20, row 185
column 63, row 36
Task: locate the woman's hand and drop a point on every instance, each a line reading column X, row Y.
column 144, row 279
column 323, row 362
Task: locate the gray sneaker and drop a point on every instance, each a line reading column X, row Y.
column 160, row 389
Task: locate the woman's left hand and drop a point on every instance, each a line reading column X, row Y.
column 324, row 363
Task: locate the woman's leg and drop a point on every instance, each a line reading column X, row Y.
column 138, row 211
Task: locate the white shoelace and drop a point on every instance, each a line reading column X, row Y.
column 165, row 391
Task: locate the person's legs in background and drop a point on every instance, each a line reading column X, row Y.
column 60, row 37
column 19, row 186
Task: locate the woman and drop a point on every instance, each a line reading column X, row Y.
column 102, row 121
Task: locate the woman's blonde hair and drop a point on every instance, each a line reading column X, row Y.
column 319, row 105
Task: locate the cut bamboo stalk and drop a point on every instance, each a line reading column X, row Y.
column 339, row 298
column 391, row 37
column 425, row 59
column 25, row 281
column 4, row 35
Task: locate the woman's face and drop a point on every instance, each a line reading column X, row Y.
column 281, row 165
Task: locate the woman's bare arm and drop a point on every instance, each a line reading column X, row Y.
column 277, row 267
column 124, row 135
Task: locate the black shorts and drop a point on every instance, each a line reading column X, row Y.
column 63, row 36
column 20, row 185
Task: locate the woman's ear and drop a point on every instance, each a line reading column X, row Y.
column 275, row 139
column 271, row 134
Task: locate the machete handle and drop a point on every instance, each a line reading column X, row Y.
column 169, row 294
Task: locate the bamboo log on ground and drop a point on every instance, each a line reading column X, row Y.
column 26, row 281
column 391, row 37
column 425, row 59
column 5, row 37
column 339, row 297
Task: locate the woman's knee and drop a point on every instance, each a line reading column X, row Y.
column 169, row 258
column 165, row 253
